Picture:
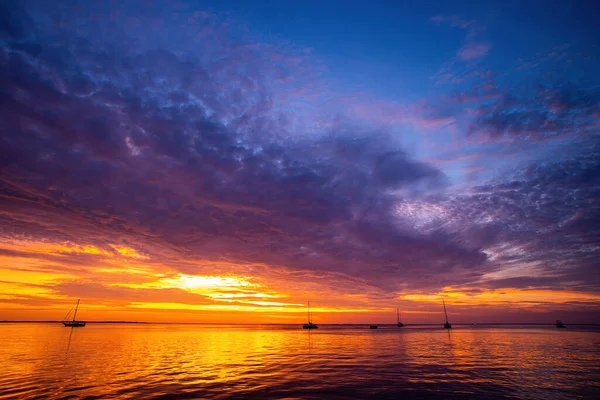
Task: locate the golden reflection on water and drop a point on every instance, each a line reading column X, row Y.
column 145, row 361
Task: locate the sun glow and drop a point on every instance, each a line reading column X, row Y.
column 234, row 290
column 203, row 284
column 192, row 282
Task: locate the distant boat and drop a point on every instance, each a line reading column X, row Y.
column 309, row 325
column 559, row 324
column 446, row 324
column 399, row 324
column 73, row 323
column 373, row 327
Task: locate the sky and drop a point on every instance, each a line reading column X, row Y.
column 228, row 161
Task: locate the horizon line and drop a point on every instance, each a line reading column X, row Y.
column 283, row 324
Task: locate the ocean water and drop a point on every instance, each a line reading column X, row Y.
column 148, row 361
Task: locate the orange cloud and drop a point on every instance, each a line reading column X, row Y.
column 506, row 296
column 121, row 283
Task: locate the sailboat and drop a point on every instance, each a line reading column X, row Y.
column 73, row 323
column 309, row 325
column 559, row 324
column 399, row 324
column 446, row 324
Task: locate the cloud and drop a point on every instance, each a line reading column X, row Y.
column 128, row 154
column 162, row 156
column 466, row 63
column 471, row 51
column 539, row 113
column 545, row 223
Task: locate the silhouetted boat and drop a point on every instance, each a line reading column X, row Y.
column 399, row 324
column 559, row 324
column 309, row 325
column 373, row 327
column 446, row 324
column 73, row 323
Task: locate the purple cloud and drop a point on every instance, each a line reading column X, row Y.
column 539, row 113
column 472, row 51
column 170, row 154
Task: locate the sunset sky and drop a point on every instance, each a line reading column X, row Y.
column 227, row 161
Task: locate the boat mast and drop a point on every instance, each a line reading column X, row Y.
column 445, row 313
column 76, row 307
column 398, row 314
column 309, row 312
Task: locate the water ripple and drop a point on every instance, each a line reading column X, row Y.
column 194, row 361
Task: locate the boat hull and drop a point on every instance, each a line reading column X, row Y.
column 399, row 324
column 310, row 326
column 447, row 326
column 74, row 324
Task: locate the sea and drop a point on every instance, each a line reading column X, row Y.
column 172, row 361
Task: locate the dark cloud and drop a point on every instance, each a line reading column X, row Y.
column 539, row 113
column 546, row 217
column 394, row 169
column 15, row 23
column 150, row 148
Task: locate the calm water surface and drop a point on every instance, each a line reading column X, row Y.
column 209, row 361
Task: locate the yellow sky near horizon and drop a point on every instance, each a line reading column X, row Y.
column 41, row 280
